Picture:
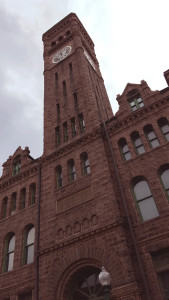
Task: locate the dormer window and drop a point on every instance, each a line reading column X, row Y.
column 135, row 100
column 136, row 103
column 16, row 165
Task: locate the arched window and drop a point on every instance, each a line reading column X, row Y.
column 124, row 149
column 85, row 163
column 151, row 136
column 137, row 142
column 16, row 165
column 29, row 238
column 145, row 201
column 32, row 193
column 23, row 198
column 71, row 170
column 164, row 174
column 13, row 203
column 59, row 180
column 9, row 253
column 4, row 207
column 164, row 126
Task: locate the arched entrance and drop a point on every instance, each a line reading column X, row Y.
column 85, row 285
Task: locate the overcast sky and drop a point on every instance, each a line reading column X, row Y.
column 131, row 43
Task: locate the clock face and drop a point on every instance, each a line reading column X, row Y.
column 61, row 54
column 89, row 59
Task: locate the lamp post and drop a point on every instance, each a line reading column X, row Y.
column 105, row 279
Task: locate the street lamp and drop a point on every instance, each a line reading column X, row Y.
column 105, row 279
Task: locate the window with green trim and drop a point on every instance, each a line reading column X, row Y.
column 85, row 163
column 124, row 149
column 137, row 142
column 59, row 180
column 144, row 200
column 71, row 170
column 28, row 251
column 16, row 165
column 9, row 252
column 136, row 103
column 151, row 136
column 164, row 126
column 32, row 193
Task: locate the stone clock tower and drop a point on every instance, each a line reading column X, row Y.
column 75, row 96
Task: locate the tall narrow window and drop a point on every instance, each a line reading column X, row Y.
column 145, row 201
column 75, row 99
column 71, row 170
column 13, row 203
column 16, row 165
column 85, row 163
column 9, row 253
column 4, row 207
column 137, row 142
column 81, row 123
column 58, row 112
column 73, row 127
column 29, row 238
column 65, row 132
column 32, row 193
column 164, row 174
column 57, row 135
column 23, row 198
column 59, row 180
column 151, row 136
column 64, row 89
column 164, row 126
column 124, row 149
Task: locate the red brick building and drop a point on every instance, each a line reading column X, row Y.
column 98, row 196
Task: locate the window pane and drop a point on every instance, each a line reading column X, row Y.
column 127, row 156
column 88, row 170
column 148, row 209
column 155, row 143
column 141, row 104
column 167, row 136
column 30, row 254
column 138, row 142
column 165, row 178
column 165, row 128
column 141, row 149
column 31, row 236
column 11, row 244
column 134, row 108
column 151, row 135
column 125, row 149
column 10, row 261
column 142, row 190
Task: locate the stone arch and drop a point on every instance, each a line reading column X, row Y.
column 74, row 259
